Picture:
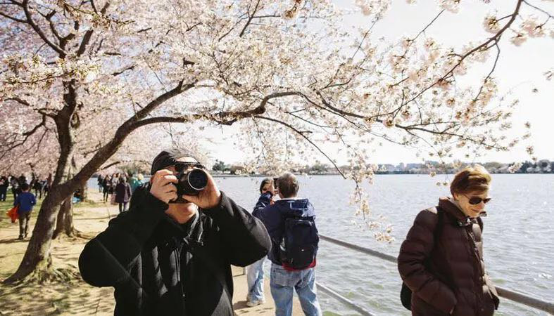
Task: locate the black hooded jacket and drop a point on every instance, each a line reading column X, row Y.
column 159, row 267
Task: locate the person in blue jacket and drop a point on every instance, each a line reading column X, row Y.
column 285, row 276
column 255, row 271
column 26, row 201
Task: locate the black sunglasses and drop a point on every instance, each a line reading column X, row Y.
column 478, row 200
column 181, row 166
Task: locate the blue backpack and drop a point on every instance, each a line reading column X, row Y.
column 298, row 248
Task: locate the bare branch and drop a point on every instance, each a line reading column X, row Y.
column 84, row 42
column 13, row 18
column 39, row 31
column 251, row 16
column 303, row 134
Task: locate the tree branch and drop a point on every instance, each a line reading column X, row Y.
column 249, row 19
column 303, row 134
column 39, row 31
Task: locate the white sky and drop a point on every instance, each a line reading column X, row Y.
column 520, row 70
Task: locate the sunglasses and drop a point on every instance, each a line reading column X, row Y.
column 477, row 200
column 181, row 166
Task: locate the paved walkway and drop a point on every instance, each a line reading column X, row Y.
column 267, row 309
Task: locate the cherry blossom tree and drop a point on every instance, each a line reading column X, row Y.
column 79, row 77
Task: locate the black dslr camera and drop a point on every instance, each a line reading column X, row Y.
column 190, row 181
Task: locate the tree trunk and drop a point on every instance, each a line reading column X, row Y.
column 37, row 260
column 64, row 223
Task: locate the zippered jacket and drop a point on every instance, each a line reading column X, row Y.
column 442, row 264
column 159, row 267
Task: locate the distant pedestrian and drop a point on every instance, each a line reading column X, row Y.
column 441, row 260
column 290, row 223
column 22, row 179
column 255, row 271
column 106, row 183
column 100, row 180
column 14, row 182
column 122, row 194
column 38, row 186
column 4, row 183
column 136, row 182
column 25, row 201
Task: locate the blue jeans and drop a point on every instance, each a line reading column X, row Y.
column 255, row 280
column 284, row 282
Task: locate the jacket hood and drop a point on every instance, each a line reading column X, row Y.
column 296, row 207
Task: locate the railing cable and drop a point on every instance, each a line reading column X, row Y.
column 508, row 294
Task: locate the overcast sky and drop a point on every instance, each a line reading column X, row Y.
column 519, row 70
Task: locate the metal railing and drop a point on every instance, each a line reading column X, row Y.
column 508, row 294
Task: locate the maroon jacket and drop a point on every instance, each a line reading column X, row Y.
column 443, row 264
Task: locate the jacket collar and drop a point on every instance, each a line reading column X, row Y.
column 446, row 204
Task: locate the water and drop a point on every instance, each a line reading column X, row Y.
column 517, row 235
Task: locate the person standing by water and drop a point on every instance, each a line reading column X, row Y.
column 100, row 181
column 290, row 223
column 106, row 183
column 441, row 260
column 255, row 271
column 122, row 193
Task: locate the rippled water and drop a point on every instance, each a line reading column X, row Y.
column 517, row 235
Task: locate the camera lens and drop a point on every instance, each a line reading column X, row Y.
column 198, row 179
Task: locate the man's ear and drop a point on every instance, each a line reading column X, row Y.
column 455, row 196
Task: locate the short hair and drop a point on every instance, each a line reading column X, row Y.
column 288, row 185
column 471, row 179
column 25, row 186
column 265, row 182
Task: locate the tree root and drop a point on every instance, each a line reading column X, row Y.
column 69, row 274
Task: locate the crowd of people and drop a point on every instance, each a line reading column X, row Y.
column 23, row 198
column 39, row 185
column 168, row 256
column 118, row 188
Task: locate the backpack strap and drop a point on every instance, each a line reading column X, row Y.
column 440, row 216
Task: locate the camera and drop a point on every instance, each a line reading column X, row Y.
column 190, row 182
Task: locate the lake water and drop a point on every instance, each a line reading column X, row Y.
column 518, row 233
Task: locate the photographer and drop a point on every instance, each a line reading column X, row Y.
column 171, row 254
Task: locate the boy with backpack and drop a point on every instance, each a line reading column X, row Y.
column 26, row 201
column 290, row 223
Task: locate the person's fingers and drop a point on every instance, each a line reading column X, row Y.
column 170, row 189
column 173, row 196
column 161, row 173
column 193, row 199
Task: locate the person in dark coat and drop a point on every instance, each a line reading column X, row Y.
column 255, row 271
column 122, row 193
column 441, row 260
column 4, row 183
column 174, row 258
column 14, row 182
column 106, row 183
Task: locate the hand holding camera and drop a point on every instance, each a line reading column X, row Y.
column 207, row 198
column 163, row 186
